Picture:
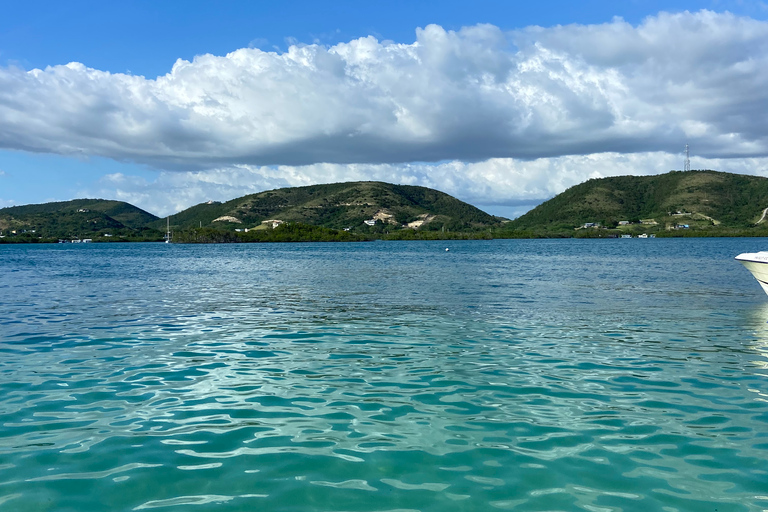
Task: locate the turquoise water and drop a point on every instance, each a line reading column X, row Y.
column 599, row 375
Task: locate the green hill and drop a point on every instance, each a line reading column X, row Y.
column 80, row 218
column 364, row 209
column 698, row 202
column 693, row 203
column 339, row 206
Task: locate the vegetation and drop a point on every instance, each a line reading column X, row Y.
column 97, row 219
column 335, row 212
column 693, row 203
column 288, row 232
column 340, row 206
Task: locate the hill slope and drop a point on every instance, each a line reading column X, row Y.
column 80, row 218
column 338, row 206
column 700, row 199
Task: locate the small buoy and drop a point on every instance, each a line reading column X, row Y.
column 447, row 249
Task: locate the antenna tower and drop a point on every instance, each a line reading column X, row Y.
column 687, row 165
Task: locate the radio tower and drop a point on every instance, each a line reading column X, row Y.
column 687, row 165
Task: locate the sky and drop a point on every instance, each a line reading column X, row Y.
column 502, row 104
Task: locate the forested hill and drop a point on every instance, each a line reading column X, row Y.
column 366, row 209
column 693, row 203
column 340, row 205
column 80, row 218
column 696, row 200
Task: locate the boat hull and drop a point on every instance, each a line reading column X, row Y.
column 757, row 264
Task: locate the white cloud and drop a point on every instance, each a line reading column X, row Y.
column 500, row 186
column 470, row 95
column 500, row 120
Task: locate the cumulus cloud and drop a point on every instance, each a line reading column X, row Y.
column 503, row 120
column 469, row 95
column 501, row 186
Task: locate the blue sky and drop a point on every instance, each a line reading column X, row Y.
column 146, row 37
column 467, row 97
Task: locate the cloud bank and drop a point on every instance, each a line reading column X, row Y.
column 493, row 117
column 469, row 95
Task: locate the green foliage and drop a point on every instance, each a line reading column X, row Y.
column 204, row 236
column 124, row 213
column 705, row 198
column 288, row 232
column 338, row 206
column 710, row 203
column 78, row 219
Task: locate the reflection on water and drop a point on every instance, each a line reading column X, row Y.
column 525, row 375
column 757, row 321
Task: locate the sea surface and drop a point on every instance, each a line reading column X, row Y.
column 596, row 375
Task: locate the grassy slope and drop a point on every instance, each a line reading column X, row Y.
column 122, row 212
column 337, row 206
column 732, row 200
column 62, row 219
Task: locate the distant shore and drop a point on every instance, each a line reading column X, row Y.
column 318, row 234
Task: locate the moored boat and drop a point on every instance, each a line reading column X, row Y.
column 168, row 230
column 757, row 263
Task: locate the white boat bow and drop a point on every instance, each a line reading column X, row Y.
column 757, row 263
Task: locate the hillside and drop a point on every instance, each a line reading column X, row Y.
column 702, row 202
column 80, row 218
column 368, row 209
column 339, row 206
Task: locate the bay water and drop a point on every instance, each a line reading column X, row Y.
column 599, row 375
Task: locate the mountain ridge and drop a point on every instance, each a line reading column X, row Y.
column 345, row 205
column 705, row 201
column 78, row 218
column 691, row 203
column 368, row 208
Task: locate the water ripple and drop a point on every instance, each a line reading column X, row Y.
column 278, row 378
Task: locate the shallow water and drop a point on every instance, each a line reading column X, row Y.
column 599, row 375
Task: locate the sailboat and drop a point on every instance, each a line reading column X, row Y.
column 168, row 230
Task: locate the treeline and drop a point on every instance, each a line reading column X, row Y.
column 124, row 235
column 298, row 232
column 288, row 232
